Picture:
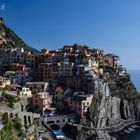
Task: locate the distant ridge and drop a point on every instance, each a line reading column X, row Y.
column 9, row 39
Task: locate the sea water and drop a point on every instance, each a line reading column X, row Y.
column 135, row 77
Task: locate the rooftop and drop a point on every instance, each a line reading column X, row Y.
column 43, row 93
column 109, row 54
column 20, row 72
column 36, row 83
column 13, row 72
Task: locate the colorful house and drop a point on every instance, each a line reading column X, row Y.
column 79, row 103
column 42, row 101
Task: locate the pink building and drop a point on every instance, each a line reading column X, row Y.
column 80, row 103
column 42, row 100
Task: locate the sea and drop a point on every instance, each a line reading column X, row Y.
column 132, row 132
column 135, row 77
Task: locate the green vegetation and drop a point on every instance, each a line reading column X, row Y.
column 121, row 86
column 13, row 40
column 128, row 76
column 8, row 132
column 109, row 69
column 17, row 125
column 12, row 129
column 10, row 100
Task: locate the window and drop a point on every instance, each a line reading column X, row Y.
column 11, row 115
column 16, row 115
column 29, row 119
column 25, row 120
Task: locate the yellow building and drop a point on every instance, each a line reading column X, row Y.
column 95, row 66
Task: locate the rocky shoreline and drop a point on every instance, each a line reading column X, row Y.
column 129, row 131
column 108, row 135
column 111, row 114
column 124, row 125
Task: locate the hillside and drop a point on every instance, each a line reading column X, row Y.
column 9, row 39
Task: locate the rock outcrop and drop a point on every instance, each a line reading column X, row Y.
column 115, row 102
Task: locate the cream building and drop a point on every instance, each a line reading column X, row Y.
column 26, row 91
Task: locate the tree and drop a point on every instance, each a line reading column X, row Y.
column 8, row 132
column 11, row 104
column 5, row 118
column 17, row 125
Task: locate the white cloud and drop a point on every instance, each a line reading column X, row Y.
column 2, row 7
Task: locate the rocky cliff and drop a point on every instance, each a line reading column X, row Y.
column 115, row 103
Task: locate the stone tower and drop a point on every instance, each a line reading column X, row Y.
column 1, row 21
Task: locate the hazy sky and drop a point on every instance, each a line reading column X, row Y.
column 112, row 25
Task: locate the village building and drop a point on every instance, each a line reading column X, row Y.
column 48, row 71
column 65, row 69
column 4, row 82
column 25, row 91
column 79, row 103
column 17, row 66
column 30, row 59
column 42, row 101
column 37, row 87
column 59, row 98
column 112, row 60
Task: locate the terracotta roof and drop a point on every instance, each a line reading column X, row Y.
column 59, row 90
column 20, row 72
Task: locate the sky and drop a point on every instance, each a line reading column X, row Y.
column 111, row 25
